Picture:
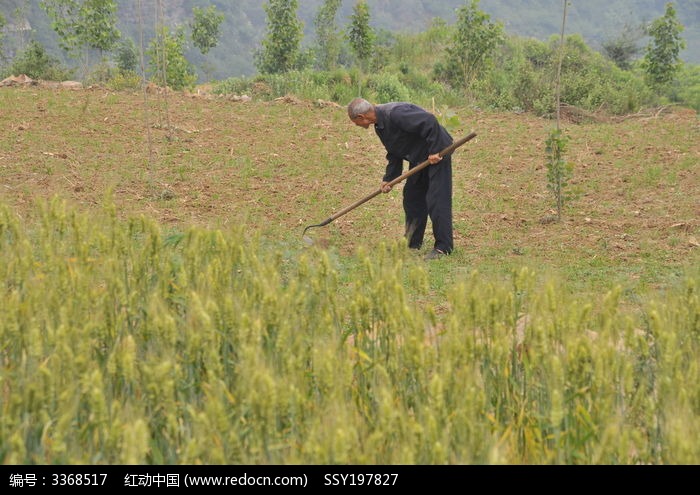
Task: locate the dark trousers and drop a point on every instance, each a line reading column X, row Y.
column 429, row 194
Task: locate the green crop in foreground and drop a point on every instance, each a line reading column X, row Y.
column 122, row 344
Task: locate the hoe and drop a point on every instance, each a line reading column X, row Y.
column 447, row 151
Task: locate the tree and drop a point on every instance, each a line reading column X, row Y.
column 34, row 62
column 624, row 48
column 662, row 60
column 360, row 34
column 327, row 35
column 280, row 48
column 559, row 171
column 472, row 47
column 127, row 56
column 205, row 27
column 84, row 24
column 167, row 60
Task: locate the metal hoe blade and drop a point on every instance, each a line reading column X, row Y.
column 325, row 222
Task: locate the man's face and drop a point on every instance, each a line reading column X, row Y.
column 362, row 121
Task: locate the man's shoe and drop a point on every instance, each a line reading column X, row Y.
column 434, row 254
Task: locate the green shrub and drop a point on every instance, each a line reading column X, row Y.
column 337, row 85
column 233, row 86
column 37, row 64
column 127, row 56
column 388, row 87
column 341, row 93
column 686, row 88
column 305, row 84
column 524, row 78
column 167, row 60
column 124, row 80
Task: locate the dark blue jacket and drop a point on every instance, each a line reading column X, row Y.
column 409, row 133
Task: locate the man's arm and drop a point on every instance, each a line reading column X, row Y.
column 394, row 167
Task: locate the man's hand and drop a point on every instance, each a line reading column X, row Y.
column 385, row 187
column 433, row 159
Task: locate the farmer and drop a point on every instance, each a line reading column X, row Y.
column 410, row 133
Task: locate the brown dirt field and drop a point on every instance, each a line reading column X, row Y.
column 276, row 167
